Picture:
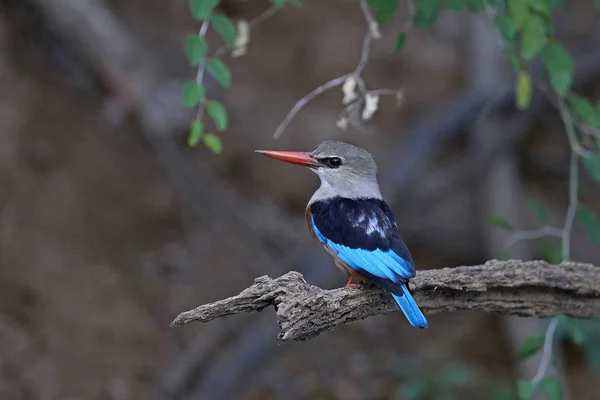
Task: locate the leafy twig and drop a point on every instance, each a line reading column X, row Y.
column 568, row 122
column 201, row 69
column 368, row 99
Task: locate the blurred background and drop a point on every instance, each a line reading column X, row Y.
column 110, row 224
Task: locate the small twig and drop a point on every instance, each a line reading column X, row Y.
column 547, row 352
column 366, row 48
column 386, row 92
column 532, row 235
column 410, row 5
column 303, row 101
column 263, row 17
column 201, row 69
column 567, row 120
column 573, row 202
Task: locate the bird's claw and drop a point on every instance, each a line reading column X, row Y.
column 352, row 284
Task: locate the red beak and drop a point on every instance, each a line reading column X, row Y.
column 293, row 157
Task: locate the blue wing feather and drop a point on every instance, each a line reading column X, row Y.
column 384, row 264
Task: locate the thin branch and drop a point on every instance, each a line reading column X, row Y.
column 533, row 234
column 524, row 288
column 568, row 122
column 201, row 69
column 366, row 49
column 573, row 201
column 263, row 17
column 305, row 100
column 386, row 92
column 547, row 352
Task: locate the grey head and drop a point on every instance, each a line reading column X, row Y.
column 345, row 170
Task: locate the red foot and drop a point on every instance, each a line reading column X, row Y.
column 350, row 283
column 355, row 285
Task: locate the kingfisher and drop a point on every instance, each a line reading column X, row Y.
column 348, row 217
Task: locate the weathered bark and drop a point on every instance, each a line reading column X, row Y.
column 514, row 287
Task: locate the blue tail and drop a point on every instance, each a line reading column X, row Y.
column 411, row 310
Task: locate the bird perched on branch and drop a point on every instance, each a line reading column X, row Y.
column 349, row 218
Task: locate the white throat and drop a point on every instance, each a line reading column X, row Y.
column 365, row 188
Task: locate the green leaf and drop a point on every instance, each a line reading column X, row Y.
column 426, row 13
column 597, row 4
column 195, row 48
column 552, row 253
column 456, row 5
column 218, row 113
column 225, row 27
column 192, row 94
column 413, row 390
column 589, row 220
column 219, row 71
column 213, row 142
column 530, row 346
column 552, row 388
column 201, row 9
column 592, row 164
column 455, row 375
column 384, row 9
column 592, row 355
column 519, row 11
column 503, row 256
column 523, row 91
column 525, row 390
column 538, row 211
column 400, row 42
column 503, row 392
column 512, row 59
column 559, row 65
column 507, row 27
column 281, row 3
column 195, row 133
column 585, row 109
column 540, row 7
column 533, row 37
column 477, row 5
column 575, row 331
column 555, row 3
column 499, row 222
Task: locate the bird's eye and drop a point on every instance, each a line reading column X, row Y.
column 333, row 162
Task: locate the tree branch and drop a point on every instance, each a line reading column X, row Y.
column 524, row 288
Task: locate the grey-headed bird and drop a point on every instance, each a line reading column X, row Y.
column 350, row 219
